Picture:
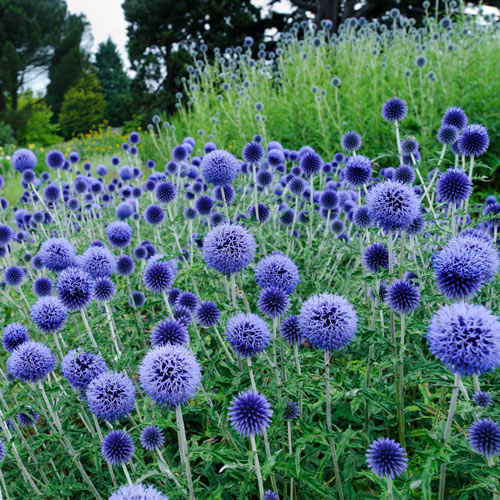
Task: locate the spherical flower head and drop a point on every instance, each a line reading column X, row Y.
column 247, row 334
column 74, row 288
column 376, row 257
column 165, row 192
column 117, row 447
column 361, row 217
column 279, row 271
column 403, row 297
column 6, row 235
column 111, row 396
column 31, row 361
column 137, row 492
column 170, row 375
column 409, row 146
column 14, row 334
column 404, row 174
column 465, row 338
column 158, row 276
column 228, row 248
column 329, row 199
column 49, row 314
column 327, row 321
column 453, row 186
column 351, row 141
column 484, row 437
column 290, row 330
column 297, row 185
column 455, row 117
column 253, row 153
column 448, row 134
column 179, row 153
column 23, row 159
column 57, row 254
column 386, row 458
column 119, row 234
column 394, row 110
column 219, row 167
column 250, row 413
column 183, row 315
column 473, row 141
column 98, row 261
column 392, row 205
column 154, row 215
column 187, row 299
column 273, row 302
column 270, row 495
column 207, row 313
column 482, row 399
column 124, row 265
column 134, row 138
column 103, row 289
column 42, row 286
column 292, row 411
column 28, row 418
column 13, row 276
column 79, row 368
column 310, row 163
column 152, row 438
column 204, row 204
column 51, row 193
column 169, row 331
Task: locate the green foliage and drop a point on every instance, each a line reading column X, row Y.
column 6, row 136
column 83, row 106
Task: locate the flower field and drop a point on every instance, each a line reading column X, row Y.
column 287, row 290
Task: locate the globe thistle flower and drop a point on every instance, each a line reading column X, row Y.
column 169, row 331
column 51, row 193
column 386, row 458
column 404, row 174
column 13, row 276
column 98, row 261
column 49, row 314
column 28, row 418
column 270, row 495
column 253, row 153
column 310, row 163
column 170, row 375
column 79, row 368
column 14, row 334
column 361, row 217
column 484, row 437
column 165, row 192
column 292, row 411
column 117, row 447
column 57, row 254
column 273, row 302
column 482, row 399
column 207, row 313
column 394, row 110
column 290, row 330
column 42, row 286
column 187, row 299
column 31, row 361
column 179, row 153
column 247, row 334
column 473, row 141
column 264, row 212
column 137, row 299
column 119, row 234
column 297, row 185
column 453, row 186
column 137, row 492
column 74, row 288
column 327, row 321
column 73, row 157
column 286, row 216
column 111, row 396
column 337, row 226
column 204, row 204
column 6, row 235
column 448, row 134
column 358, row 170
column 124, row 265
column 54, row 159
column 103, row 289
column 23, row 159
column 279, row 271
column 154, row 215
column 392, row 205
column 124, row 210
column 455, row 117
column 158, row 276
column 183, row 315
column 351, row 141
column 465, row 338
column 376, row 257
column 403, row 297
column 219, row 167
column 329, row 199
column 250, row 413
column 228, row 248
column 409, row 147
column 152, row 438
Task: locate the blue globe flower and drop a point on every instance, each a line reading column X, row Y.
column 247, row 334
column 386, row 458
column 250, row 413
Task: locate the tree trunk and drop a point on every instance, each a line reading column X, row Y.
column 327, row 9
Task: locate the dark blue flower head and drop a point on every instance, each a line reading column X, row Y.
column 165, row 192
column 351, row 141
column 179, row 153
column 297, row 185
column 329, row 199
column 28, row 418
column 264, row 212
column 42, row 286
column 134, row 138
column 482, row 399
column 361, row 217
column 14, row 334
column 409, row 146
column 403, row 296
column 152, row 438
column 103, row 289
column 98, row 261
column 6, row 235
column 119, row 234
column 219, row 167
column 31, row 361
column 292, row 411
column 49, row 314
column 376, row 257
column 54, row 159
column 74, row 288
column 273, row 302
column 204, row 204
column 290, row 330
column 247, row 334
column 57, row 254
column 455, row 117
column 484, row 437
column 310, row 163
column 187, row 299
column 117, row 447
column 79, row 368
column 466, row 338
column 327, row 321
column 23, row 159
column 51, row 193
column 386, row 458
column 473, row 141
column 250, row 413
column 453, row 186
column 253, row 153
column 137, row 299
column 277, row 270
column 170, row 375
column 158, row 276
column 270, row 495
column 228, row 248
column 404, row 174
column 124, row 265
column 137, row 492
column 154, row 215
column 111, row 396
column 169, row 331
column 207, row 313
column 448, row 134
column 394, row 110
column 13, row 276
column 358, row 170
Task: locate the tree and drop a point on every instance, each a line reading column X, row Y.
column 114, row 82
column 162, row 32
column 83, row 106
